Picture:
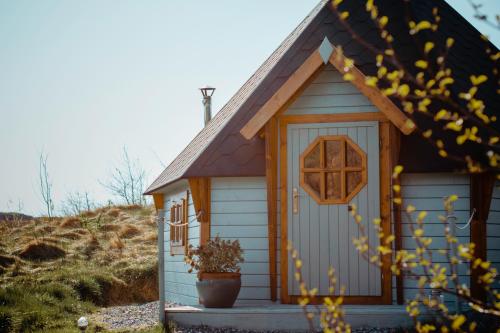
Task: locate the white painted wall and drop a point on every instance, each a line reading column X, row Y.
column 180, row 286
column 426, row 192
column 493, row 232
column 239, row 211
column 329, row 93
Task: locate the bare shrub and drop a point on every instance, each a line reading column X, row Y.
column 77, row 203
column 45, row 185
column 127, row 181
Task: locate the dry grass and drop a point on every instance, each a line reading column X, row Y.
column 108, row 262
column 70, row 223
column 129, row 231
column 45, row 229
column 113, row 212
column 151, row 237
column 116, row 243
column 73, row 235
column 92, row 245
column 110, row 227
column 41, row 251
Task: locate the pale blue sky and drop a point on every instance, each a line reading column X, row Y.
column 81, row 79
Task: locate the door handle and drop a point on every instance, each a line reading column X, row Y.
column 295, row 200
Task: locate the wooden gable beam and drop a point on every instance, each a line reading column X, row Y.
column 324, row 54
column 382, row 102
column 283, row 95
column 200, row 192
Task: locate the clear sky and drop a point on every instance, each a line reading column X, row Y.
column 80, row 80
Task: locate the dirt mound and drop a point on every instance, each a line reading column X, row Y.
column 6, row 260
column 129, row 231
column 110, row 227
column 113, row 212
column 15, row 217
column 41, row 251
column 71, row 223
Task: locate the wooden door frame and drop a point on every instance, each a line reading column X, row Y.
column 385, row 198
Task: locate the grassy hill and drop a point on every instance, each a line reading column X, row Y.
column 54, row 271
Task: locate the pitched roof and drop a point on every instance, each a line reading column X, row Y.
column 187, row 157
column 220, row 150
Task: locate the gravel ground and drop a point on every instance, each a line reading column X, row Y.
column 134, row 317
column 205, row 329
column 130, row 317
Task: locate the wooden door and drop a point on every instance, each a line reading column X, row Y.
column 330, row 166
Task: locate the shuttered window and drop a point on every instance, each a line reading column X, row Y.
column 179, row 227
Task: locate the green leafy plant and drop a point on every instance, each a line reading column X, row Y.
column 216, row 256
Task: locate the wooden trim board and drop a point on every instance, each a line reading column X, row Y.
column 481, row 192
column 271, row 137
column 298, row 79
column 385, row 205
column 283, row 95
column 382, row 102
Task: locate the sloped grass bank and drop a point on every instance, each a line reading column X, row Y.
column 54, row 271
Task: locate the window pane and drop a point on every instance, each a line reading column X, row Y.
column 313, row 179
column 353, row 159
column 353, row 180
column 312, row 159
column 333, row 157
column 333, row 189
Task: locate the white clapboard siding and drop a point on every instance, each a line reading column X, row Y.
column 426, row 192
column 180, row 286
column 239, row 211
column 493, row 232
column 329, row 94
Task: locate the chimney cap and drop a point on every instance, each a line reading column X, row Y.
column 207, row 91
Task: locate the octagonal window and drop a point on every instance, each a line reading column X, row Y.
column 333, row 169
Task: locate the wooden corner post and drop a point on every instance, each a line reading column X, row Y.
column 385, row 205
column 481, row 192
column 271, row 137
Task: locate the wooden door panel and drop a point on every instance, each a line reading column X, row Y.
column 323, row 233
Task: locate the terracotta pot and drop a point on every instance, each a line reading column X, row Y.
column 218, row 290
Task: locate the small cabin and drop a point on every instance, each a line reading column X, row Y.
column 297, row 146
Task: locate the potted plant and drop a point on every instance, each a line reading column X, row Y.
column 219, row 279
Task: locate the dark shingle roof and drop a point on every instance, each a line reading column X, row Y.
column 220, row 150
column 180, row 165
